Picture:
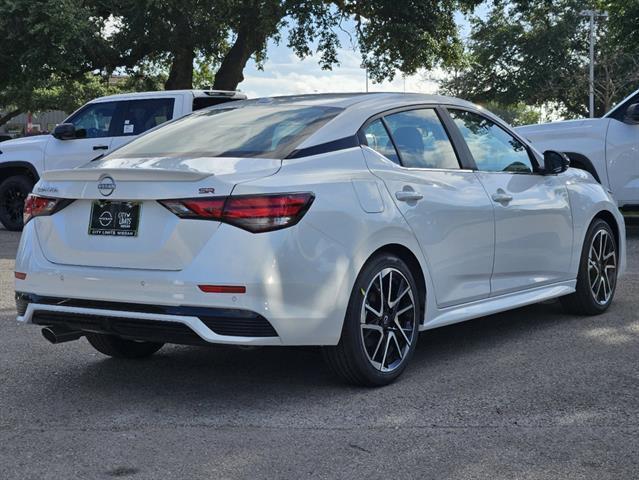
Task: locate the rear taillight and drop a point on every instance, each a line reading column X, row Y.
column 35, row 206
column 255, row 213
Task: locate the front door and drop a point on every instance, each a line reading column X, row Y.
column 622, row 159
column 94, row 126
column 446, row 206
column 533, row 220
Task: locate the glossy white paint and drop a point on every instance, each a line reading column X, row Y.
column 300, row 278
column 610, row 143
column 454, row 209
column 533, row 231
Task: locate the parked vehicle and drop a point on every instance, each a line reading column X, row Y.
column 346, row 221
column 98, row 127
column 607, row 148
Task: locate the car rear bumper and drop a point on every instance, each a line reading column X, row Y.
column 166, row 324
column 296, row 280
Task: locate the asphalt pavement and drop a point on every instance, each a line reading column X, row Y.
column 528, row 394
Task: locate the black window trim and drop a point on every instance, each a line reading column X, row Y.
column 534, row 161
column 464, row 158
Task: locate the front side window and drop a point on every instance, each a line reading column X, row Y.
column 257, row 131
column 94, row 121
column 493, row 149
column 421, row 139
column 377, row 138
column 143, row 115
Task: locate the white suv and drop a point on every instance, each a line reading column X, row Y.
column 98, row 127
column 607, row 147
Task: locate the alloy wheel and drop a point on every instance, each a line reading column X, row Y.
column 12, row 202
column 602, row 267
column 388, row 320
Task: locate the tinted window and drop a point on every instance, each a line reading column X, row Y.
column 262, row 131
column 143, row 115
column 493, row 149
column 204, row 102
column 94, row 119
column 421, row 139
column 377, row 138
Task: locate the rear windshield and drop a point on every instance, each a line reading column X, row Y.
column 258, row 131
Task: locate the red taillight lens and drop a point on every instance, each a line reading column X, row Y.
column 255, row 213
column 35, row 206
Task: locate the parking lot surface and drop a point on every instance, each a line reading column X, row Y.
column 529, row 394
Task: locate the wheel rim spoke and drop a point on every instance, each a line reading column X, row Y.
column 384, row 334
column 602, row 266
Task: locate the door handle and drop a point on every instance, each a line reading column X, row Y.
column 408, row 196
column 100, row 147
column 502, row 197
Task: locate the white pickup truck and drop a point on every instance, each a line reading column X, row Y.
column 96, row 128
column 607, row 147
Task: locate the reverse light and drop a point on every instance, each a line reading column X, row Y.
column 255, row 213
column 36, row 206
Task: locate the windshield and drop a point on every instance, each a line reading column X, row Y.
column 258, row 131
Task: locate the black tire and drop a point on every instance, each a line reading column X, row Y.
column 584, row 301
column 13, row 192
column 351, row 359
column 120, row 348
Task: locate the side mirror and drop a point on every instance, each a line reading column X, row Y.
column 632, row 114
column 555, row 162
column 65, row 131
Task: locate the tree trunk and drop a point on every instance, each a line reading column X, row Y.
column 8, row 116
column 229, row 75
column 181, row 74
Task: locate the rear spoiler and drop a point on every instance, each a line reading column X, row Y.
column 125, row 174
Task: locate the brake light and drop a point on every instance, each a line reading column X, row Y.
column 255, row 213
column 36, row 206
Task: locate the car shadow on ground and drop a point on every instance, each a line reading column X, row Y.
column 202, row 372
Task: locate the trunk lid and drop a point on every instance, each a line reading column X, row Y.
column 163, row 241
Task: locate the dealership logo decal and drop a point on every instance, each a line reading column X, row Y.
column 124, row 219
column 105, row 218
column 106, row 186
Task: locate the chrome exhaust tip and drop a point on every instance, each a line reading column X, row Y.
column 60, row 335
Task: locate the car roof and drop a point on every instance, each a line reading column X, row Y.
column 357, row 109
column 347, row 100
column 170, row 93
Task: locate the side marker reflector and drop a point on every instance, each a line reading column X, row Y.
column 222, row 288
column 20, row 275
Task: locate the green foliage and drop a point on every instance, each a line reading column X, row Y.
column 49, row 46
column 515, row 114
column 537, row 53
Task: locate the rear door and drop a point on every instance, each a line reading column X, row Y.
column 533, row 221
column 138, row 116
column 96, row 122
column 442, row 200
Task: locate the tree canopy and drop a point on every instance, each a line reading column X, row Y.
column 537, row 53
column 47, row 44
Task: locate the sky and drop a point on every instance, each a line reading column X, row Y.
column 285, row 74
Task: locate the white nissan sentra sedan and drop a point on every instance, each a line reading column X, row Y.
column 350, row 222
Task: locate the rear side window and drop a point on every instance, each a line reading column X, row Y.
column 378, row 139
column 143, row 115
column 257, row 131
column 493, row 149
column 203, row 102
column 421, row 139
